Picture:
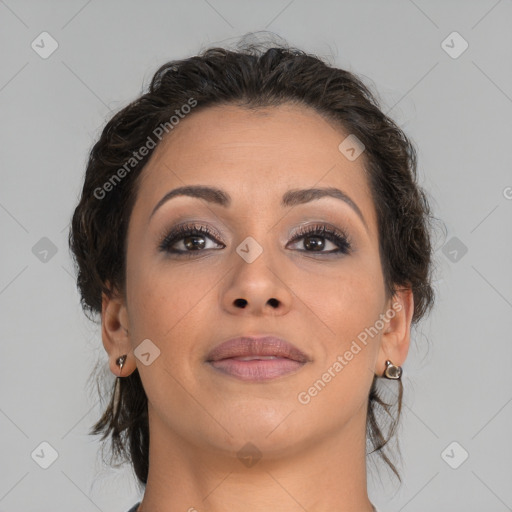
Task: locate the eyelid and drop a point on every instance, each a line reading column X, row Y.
column 180, row 231
column 327, row 231
column 320, row 225
column 304, row 229
column 189, row 224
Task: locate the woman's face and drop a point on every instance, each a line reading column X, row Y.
column 256, row 276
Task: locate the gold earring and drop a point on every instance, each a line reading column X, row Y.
column 392, row 371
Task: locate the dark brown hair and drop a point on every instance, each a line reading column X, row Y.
column 251, row 76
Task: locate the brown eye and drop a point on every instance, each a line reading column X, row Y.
column 316, row 239
column 192, row 239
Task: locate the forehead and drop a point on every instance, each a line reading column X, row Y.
column 255, row 154
column 298, row 130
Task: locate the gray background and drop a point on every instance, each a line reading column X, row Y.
column 458, row 375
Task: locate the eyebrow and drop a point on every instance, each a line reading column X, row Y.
column 290, row 198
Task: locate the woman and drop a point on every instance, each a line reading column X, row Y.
column 252, row 235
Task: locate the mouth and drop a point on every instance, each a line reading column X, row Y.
column 256, row 358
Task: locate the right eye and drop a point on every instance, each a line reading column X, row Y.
column 191, row 237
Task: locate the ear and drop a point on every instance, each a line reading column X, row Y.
column 115, row 333
column 397, row 333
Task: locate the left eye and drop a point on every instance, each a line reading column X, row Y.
column 315, row 240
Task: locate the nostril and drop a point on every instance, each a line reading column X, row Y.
column 242, row 303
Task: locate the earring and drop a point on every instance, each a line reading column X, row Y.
column 392, row 371
column 120, row 362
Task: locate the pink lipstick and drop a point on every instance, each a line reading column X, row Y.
column 257, row 358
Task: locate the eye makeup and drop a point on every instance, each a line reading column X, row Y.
column 194, row 236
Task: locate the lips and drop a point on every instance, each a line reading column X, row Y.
column 248, row 348
column 256, row 359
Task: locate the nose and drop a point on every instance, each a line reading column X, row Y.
column 257, row 288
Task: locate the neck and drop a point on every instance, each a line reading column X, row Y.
column 328, row 473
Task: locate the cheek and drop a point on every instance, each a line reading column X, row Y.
column 349, row 306
column 345, row 301
column 346, row 309
column 167, row 301
column 166, row 308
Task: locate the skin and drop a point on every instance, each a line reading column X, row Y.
column 312, row 455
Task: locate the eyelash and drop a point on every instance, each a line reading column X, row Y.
column 177, row 234
column 335, row 236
